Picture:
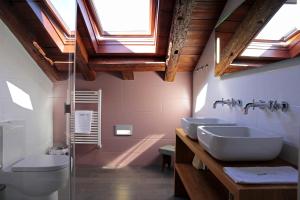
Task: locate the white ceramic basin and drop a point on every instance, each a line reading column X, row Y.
column 190, row 124
column 239, row 143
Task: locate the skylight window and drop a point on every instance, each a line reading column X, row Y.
column 283, row 23
column 119, row 17
column 65, row 11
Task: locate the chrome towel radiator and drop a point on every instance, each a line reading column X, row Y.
column 88, row 97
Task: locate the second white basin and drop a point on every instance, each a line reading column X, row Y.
column 239, row 143
column 190, row 124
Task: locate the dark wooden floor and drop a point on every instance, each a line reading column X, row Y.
column 124, row 184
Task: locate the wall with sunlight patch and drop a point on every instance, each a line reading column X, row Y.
column 25, row 93
column 154, row 108
column 279, row 81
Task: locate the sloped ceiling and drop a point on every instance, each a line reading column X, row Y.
column 29, row 27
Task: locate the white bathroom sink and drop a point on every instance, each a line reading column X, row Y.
column 237, row 143
column 190, row 124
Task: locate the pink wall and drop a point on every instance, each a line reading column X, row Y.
column 152, row 106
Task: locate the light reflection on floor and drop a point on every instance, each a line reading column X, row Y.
column 134, row 152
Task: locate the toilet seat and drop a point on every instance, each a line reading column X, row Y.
column 41, row 163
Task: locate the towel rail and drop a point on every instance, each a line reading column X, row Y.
column 94, row 137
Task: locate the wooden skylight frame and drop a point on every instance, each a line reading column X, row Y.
column 289, row 37
column 119, row 44
column 246, row 26
column 274, row 48
column 64, row 39
column 57, row 17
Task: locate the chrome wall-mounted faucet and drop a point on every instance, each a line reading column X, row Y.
column 260, row 104
column 230, row 102
column 271, row 105
column 218, row 102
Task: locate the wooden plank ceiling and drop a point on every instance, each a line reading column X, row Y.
column 189, row 34
column 29, row 23
column 204, row 17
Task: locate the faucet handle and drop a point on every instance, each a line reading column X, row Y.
column 228, row 102
column 236, row 102
column 284, row 106
column 275, row 106
column 233, row 102
column 239, row 102
column 272, row 106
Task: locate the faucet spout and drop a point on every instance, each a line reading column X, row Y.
column 260, row 104
column 218, row 102
column 230, row 102
column 247, row 106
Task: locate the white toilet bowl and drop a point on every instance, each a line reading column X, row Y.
column 36, row 176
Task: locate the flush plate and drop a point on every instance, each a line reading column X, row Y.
column 123, row 129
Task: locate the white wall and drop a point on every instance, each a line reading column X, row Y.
column 17, row 67
column 278, row 81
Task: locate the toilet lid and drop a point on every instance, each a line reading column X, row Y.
column 41, row 163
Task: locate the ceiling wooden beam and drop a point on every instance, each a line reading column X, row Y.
column 259, row 14
column 100, row 65
column 178, row 34
column 127, row 75
column 127, row 64
column 82, row 59
column 26, row 38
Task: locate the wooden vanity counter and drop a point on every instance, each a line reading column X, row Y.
column 214, row 184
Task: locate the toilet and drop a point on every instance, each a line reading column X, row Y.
column 37, row 177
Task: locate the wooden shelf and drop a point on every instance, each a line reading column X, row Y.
column 185, row 151
column 200, row 184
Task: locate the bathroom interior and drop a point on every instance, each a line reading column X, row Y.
column 149, row 99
